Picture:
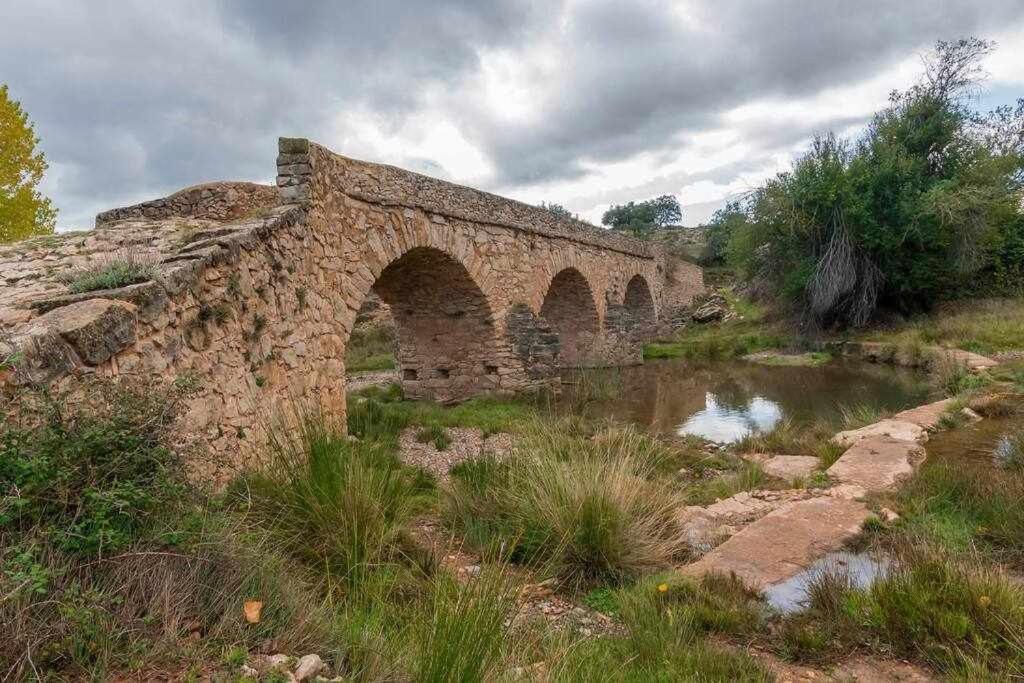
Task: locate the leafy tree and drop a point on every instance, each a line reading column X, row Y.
column 557, row 209
column 924, row 205
column 24, row 212
column 642, row 217
column 719, row 230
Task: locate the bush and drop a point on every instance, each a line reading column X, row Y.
column 335, row 504
column 925, row 204
column 88, row 471
column 592, row 512
column 110, row 274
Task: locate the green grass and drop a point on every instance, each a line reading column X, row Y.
column 747, row 476
column 589, row 513
column 668, row 620
column 809, row 359
column 369, row 348
column 985, row 326
column 956, row 613
column 434, row 434
column 110, row 274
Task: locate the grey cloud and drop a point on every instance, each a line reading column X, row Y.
column 137, row 98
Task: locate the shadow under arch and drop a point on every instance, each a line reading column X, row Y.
column 571, row 312
column 445, row 327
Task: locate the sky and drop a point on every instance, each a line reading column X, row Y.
column 585, row 103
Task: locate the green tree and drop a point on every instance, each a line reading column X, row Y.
column 924, row 206
column 719, row 231
column 557, row 209
column 642, row 217
column 24, row 212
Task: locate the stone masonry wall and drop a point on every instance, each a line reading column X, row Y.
column 220, row 201
column 258, row 310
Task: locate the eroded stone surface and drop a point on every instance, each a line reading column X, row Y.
column 785, row 541
column 926, row 416
column 257, row 302
column 895, row 429
column 787, row 467
column 878, row 463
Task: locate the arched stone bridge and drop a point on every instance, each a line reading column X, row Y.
column 256, row 292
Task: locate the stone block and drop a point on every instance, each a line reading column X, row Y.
column 96, row 329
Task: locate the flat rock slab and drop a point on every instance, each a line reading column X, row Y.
column 785, row 542
column 926, row 416
column 877, row 464
column 790, row 467
column 895, row 429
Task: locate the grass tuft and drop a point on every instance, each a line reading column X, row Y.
column 111, row 273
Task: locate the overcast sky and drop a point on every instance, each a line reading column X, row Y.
column 585, row 103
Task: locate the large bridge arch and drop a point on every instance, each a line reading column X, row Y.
column 570, row 309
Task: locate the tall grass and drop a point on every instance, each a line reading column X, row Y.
column 958, row 613
column 667, row 621
column 110, row 273
column 461, row 633
column 332, row 502
column 590, row 512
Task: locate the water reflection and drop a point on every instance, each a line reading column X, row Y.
column 860, row 569
column 724, row 401
column 725, row 422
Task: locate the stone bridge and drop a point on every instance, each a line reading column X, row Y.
column 255, row 292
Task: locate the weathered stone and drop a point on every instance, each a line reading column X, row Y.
column 96, row 329
column 790, row 467
column 784, row 542
column 709, row 312
column 926, row 416
column 257, row 299
column 895, row 429
column 878, row 463
column 308, row 667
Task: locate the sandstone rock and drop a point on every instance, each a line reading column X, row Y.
column 790, row 467
column 96, row 329
column 308, row 667
column 784, row 542
column 895, row 429
column 877, row 463
column 926, row 416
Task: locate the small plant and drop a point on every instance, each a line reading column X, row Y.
column 110, row 274
column 1009, row 451
column 300, row 296
column 235, row 285
column 954, row 377
column 218, row 313
column 260, row 380
column 435, row 434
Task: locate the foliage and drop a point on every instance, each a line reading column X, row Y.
column 926, row 203
column 370, row 347
column 667, row 621
column 331, row 502
column 959, row 614
column 558, row 210
column 110, row 273
column 24, row 212
column 719, row 231
column 87, row 473
column 642, row 217
column 590, row 511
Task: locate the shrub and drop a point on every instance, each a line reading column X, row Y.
column 111, row 273
column 88, row 470
column 592, row 512
column 922, row 206
column 334, row 503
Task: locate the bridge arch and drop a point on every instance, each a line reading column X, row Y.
column 639, row 302
column 446, row 334
column 569, row 307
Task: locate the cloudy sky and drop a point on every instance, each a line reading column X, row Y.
column 581, row 102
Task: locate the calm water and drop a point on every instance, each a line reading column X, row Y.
column 863, row 569
column 726, row 401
